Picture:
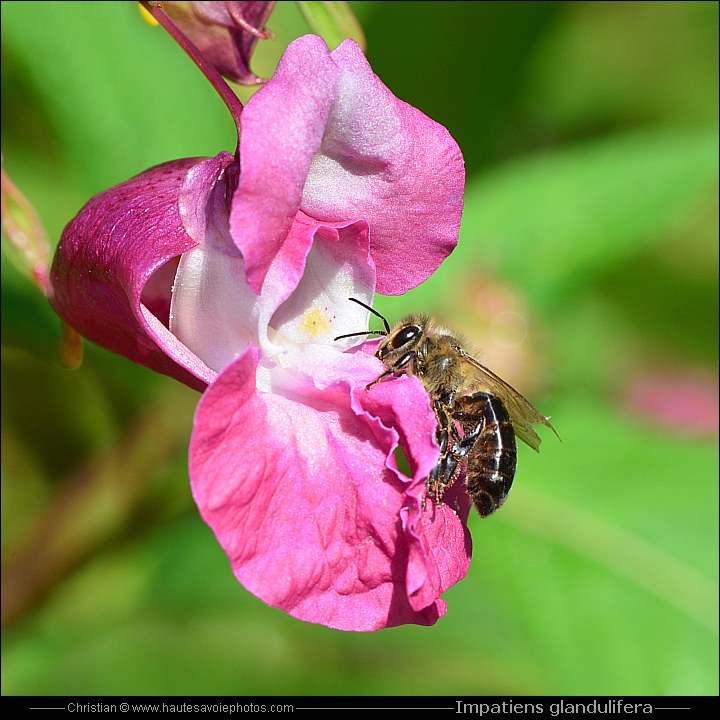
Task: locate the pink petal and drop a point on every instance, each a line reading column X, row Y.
column 305, row 294
column 386, row 162
column 304, row 300
column 326, row 136
column 281, row 129
column 302, row 492
column 107, row 255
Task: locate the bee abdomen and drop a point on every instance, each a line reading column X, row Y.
column 493, row 456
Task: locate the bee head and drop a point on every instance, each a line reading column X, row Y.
column 401, row 341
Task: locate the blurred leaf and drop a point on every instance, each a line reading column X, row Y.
column 94, row 504
column 333, row 21
column 550, row 221
column 463, row 64
column 63, row 416
column 600, row 561
column 120, row 95
column 609, row 65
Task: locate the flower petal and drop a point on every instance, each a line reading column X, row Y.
column 108, row 254
column 281, row 130
column 385, row 161
column 304, row 300
column 325, row 136
column 439, row 543
column 305, row 294
column 311, row 515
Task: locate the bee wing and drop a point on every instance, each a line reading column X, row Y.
column 522, row 413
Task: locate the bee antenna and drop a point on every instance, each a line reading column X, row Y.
column 374, row 312
column 362, row 332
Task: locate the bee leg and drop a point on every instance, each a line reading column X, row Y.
column 446, row 471
column 466, row 443
column 433, row 482
column 399, row 368
column 473, row 424
column 443, row 474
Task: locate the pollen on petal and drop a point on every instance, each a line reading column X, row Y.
column 315, row 323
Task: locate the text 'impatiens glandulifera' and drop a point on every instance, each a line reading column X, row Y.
column 232, row 274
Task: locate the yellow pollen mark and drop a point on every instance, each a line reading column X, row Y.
column 315, row 323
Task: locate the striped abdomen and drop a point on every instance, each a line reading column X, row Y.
column 492, row 449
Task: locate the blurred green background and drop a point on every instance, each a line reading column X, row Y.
column 587, row 271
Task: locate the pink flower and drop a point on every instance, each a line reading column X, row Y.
column 338, row 189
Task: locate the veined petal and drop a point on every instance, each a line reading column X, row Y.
column 385, row 161
column 305, row 294
column 325, row 136
column 205, row 199
column 113, row 267
column 282, row 127
column 213, row 312
column 304, row 298
column 439, row 543
column 311, row 515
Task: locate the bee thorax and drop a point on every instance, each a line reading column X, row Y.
column 440, row 370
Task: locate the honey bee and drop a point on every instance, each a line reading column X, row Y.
column 479, row 415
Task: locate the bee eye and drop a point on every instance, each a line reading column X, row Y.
column 404, row 336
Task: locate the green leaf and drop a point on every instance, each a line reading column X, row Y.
column 334, row 21
column 552, row 219
column 119, row 95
